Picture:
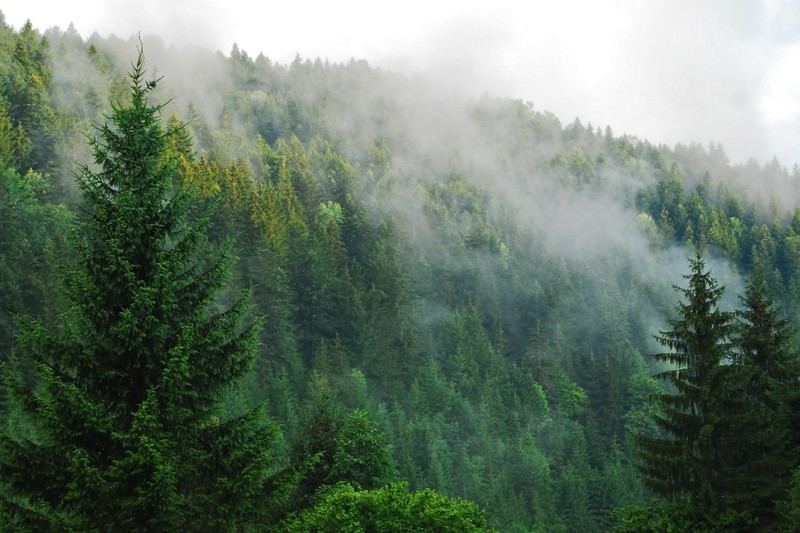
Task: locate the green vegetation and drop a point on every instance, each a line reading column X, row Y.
column 729, row 443
column 117, row 416
column 320, row 297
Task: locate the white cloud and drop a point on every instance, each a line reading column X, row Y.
column 781, row 101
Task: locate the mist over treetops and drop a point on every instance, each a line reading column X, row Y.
column 310, row 286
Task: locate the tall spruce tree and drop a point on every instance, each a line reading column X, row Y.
column 687, row 463
column 116, row 415
column 768, row 374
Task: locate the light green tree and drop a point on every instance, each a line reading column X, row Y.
column 387, row 509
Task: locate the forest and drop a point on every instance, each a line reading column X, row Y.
column 238, row 295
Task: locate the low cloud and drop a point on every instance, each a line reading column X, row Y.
column 669, row 72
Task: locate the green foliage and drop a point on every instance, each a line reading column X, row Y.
column 729, row 443
column 420, row 255
column 120, row 404
column 339, row 447
column 362, row 455
column 656, row 517
column 768, row 434
column 32, row 243
column 389, row 508
column 685, row 463
column 792, row 507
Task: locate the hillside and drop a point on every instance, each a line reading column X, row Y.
column 478, row 281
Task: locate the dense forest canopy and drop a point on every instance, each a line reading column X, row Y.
column 453, row 301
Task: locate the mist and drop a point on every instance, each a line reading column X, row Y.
column 513, row 151
column 721, row 72
column 493, row 265
column 557, row 185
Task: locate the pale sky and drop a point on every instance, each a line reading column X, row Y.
column 668, row 71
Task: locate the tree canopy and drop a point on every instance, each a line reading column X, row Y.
column 277, row 288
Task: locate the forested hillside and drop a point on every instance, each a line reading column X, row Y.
column 452, row 299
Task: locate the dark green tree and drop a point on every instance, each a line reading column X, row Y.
column 361, row 457
column 334, row 447
column 769, row 371
column 686, row 462
column 116, row 416
column 32, row 242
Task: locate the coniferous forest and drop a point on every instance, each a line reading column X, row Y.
column 238, row 295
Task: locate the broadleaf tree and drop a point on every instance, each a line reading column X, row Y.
column 115, row 417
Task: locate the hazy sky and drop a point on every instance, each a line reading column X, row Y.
column 670, row 71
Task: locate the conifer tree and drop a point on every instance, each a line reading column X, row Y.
column 685, row 464
column 768, row 431
column 116, row 421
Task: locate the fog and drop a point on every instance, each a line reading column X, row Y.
column 433, row 221
column 719, row 71
column 640, row 71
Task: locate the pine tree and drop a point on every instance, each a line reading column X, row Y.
column 116, row 423
column 769, row 432
column 686, row 462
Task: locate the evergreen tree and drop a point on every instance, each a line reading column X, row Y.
column 686, row 462
column 769, row 430
column 116, row 423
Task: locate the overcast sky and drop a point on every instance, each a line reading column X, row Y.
column 669, row 71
